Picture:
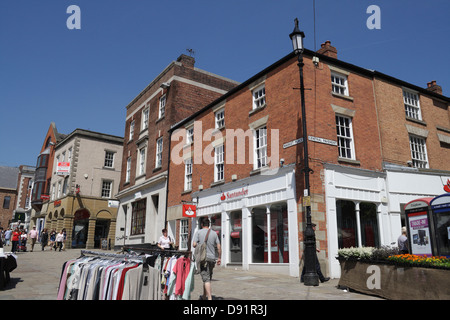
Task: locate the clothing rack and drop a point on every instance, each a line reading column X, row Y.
column 160, row 251
column 110, row 255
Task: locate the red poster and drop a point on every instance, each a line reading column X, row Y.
column 189, row 210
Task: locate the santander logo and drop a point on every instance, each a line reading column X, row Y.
column 234, row 195
column 447, row 186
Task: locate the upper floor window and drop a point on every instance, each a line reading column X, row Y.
column 339, row 83
column 218, row 163
column 261, row 147
column 106, row 189
column 128, row 172
column 418, row 152
column 109, row 159
column 259, row 97
column 162, row 106
column 141, row 161
column 188, row 174
column 220, row 118
column 159, row 149
column 412, row 105
column 6, row 202
column 145, row 114
column 130, row 137
column 190, row 135
column 345, row 137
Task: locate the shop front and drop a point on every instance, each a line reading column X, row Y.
column 356, row 211
column 86, row 220
column 256, row 220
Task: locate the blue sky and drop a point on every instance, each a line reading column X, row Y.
column 85, row 78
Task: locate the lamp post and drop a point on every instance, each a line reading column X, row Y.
column 310, row 278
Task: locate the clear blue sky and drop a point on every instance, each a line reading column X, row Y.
column 85, row 78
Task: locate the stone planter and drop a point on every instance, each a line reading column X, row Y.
column 394, row 282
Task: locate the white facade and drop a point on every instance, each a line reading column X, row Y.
column 239, row 205
column 389, row 191
column 153, row 192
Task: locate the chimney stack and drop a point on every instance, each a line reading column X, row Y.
column 432, row 86
column 328, row 50
column 186, row 61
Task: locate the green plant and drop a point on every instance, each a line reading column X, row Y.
column 360, row 253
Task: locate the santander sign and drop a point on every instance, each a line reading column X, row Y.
column 234, row 195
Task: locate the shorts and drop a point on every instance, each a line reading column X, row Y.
column 206, row 271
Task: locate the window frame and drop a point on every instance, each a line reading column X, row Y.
column 339, row 86
column 260, row 148
column 128, row 170
column 418, row 143
column 131, row 132
column 107, row 160
column 259, row 100
column 184, row 234
column 138, row 211
column 141, row 158
column 412, row 111
column 107, row 186
column 350, row 147
column 145, row 118
column 219, row 122
column 159, row 151
column 162, row 106
column 219, row 163
column 188, row 174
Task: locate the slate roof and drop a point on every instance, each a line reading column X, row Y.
column 8, row 177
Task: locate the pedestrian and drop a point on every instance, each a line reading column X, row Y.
column 164, row 241
column 44, row 239
column 15, row 237
column 8, row 233
column 33, row 234
column 23, row 240
column 52, row 239
column 59, row 240
column 322, row 278
column 402, row 242
column 64, row 241
column 206, row 270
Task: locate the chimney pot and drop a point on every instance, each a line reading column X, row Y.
column 432, row 86
column 327, row 49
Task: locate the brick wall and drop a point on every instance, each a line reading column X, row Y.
column 183, row 99
column 393, row 125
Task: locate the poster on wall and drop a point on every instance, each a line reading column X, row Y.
column 419, row 234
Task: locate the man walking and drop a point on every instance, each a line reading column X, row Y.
column 8, row 233
column 33, row 234
column 206, row 270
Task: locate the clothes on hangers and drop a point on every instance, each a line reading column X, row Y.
column 108, row 278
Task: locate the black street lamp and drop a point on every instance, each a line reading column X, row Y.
column 310, row 278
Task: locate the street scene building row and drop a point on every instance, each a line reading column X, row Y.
column 197, row 145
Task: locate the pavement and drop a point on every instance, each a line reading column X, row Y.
column 38, row 273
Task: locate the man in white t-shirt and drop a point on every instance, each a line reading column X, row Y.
column 33, row 234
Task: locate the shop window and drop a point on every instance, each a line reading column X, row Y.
column 369, row 224
column 236, row 236
column 348, row 228
column 138, row 217
column 279, row 234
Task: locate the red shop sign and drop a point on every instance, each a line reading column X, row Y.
column 189, row 210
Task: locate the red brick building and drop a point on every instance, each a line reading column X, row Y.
column 8, row 194
column 43, row 174
column 243, row 166
column 177, row 92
